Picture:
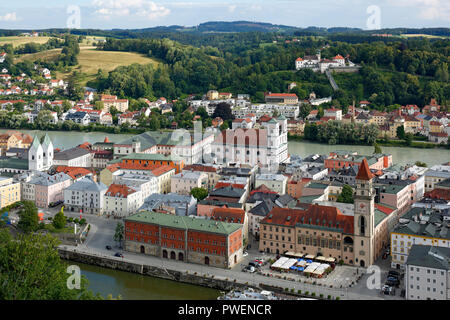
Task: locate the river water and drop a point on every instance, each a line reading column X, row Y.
column 64, row 140
column 133, row 286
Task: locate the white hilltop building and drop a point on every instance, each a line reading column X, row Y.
column 316, row 63
column 40, row 154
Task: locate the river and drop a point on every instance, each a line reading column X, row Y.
column 401, row 155
column 133, row 286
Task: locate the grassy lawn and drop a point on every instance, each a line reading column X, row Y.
column 90, row 60
column 413, row 35
column 17, row 41
column 50, row 228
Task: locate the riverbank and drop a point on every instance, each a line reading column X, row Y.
column 154, row 271
column 381, row 143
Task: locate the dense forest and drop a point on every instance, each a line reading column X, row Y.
column 395, row 72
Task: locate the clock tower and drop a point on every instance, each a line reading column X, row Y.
column 364, row 217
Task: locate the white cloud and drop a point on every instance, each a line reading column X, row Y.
column 9, row 17
column 429, row 9
column 255, row 7
column 232, row 8
column 120, row 8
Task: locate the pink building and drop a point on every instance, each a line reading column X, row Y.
column 47, row 189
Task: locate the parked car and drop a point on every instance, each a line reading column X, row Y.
column 118, row 254
column 108, row 247
column 254, row 264
column 394, row 273
column 258, row 262
column 245, row 253
column 250, row 269
column 388, row 290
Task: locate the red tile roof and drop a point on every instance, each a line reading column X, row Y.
column 227, row 184
column 74, row 172
column 119, row 190
column 438, row 194
column 364, row 172
column 231, row 215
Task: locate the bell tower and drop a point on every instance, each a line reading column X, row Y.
column 364, row 217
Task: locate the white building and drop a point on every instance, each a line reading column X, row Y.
column 419, row 226
column 266, row 146
column 427, row 275
column 122, row 200
column 184, row 182
column 275, row 182
column 74, row 157
column 85, row 196
column 40, row 154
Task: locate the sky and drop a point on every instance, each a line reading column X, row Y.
column 136, row 14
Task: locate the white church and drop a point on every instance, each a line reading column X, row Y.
column 40, row 154
column 266, row 146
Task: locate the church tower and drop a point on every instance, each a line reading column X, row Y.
column 47, row 147
column 364, row 217
column 35, row 155
column 273, row 142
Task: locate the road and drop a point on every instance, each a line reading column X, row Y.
column 103, row 229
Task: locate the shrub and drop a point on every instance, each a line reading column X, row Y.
column 329, row 297
column 338, row 298
column 286, row 289
column 313, row 294
column 321, row 295
column 307, row 292
column 299, row 291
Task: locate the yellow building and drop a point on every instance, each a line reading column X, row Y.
column 412, row 125
column 436, row 126
column 9, row 191
column 212, row 95
column 14, row 139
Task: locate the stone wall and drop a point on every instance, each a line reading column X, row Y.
column 117, row 264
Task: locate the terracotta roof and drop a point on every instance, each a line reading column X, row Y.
column 226, row 184
column 230, row 215
column 199, row 167
column 161, row 170
column 364, row 172
column 384, row 209
column 283, row 95
column 74, row 172
column 315, row 215
column 119, row 190
column 263, row 189
column 438, row 194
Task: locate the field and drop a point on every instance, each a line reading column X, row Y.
column 90, row 60
column 17, row 41
column 422, row 35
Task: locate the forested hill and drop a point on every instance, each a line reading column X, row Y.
column 397, row 72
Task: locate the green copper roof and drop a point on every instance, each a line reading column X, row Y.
column 281, row 117
column 12, row 163
column 46, row 141
column 272, row 121
column 152, row 156
column 183, row 222
column 36, row 142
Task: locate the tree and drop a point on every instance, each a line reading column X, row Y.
column 377, row 148
column 59, row 220
column 99, row 105
column 31, row 269
column 421, row 164
column 223, row 110
column 401, row 132
column 199, row 193
column 346, row 195
column 409, row 139
column 29, row 220
column 119, row 233
column 44, row 119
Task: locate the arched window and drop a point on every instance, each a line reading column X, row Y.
column 362, row 225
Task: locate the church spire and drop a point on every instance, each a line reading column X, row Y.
column 364, row 171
